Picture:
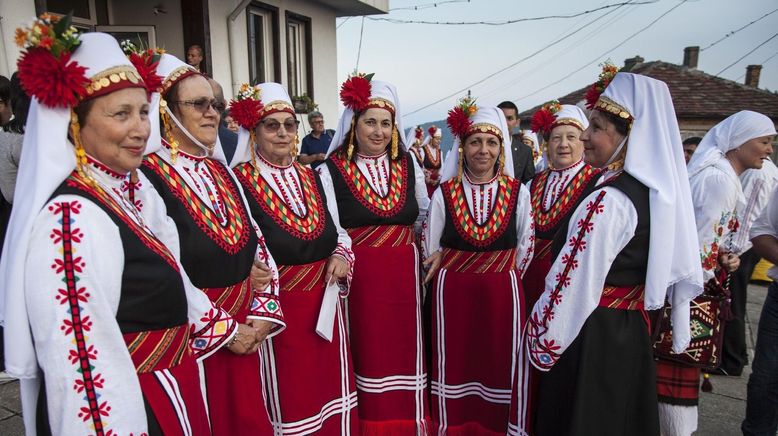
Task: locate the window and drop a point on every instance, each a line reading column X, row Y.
column 262, row 42
column 298, row 55
column 84, row 11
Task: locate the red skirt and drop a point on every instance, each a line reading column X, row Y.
column 168, row 378
column 478, row 311
column 534, row 281
column 431, row 187
column 309, row 382
column 385, row 323
column 232, row 382
column 677, row 383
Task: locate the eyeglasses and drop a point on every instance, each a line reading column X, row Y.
column 272, row 126
column 203, row 104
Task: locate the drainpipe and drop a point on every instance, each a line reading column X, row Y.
column 230, row 38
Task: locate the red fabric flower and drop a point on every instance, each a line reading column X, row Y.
column 147, row 69
column 542, row 121
column 419, row 133
column 592, row 95
column 458, row 122
column 55, row 82
column 432, row 130
column 246, row 112
column 355, row 93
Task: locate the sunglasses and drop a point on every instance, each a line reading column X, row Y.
column 203, row 104
column 290, row 125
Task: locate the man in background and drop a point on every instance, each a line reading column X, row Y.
column 194, row 56
column 316, row 143
column 523, row 162
column 689, row 146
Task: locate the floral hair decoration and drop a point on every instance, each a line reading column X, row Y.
column 609, row 71
column 458, row 120
column 543, row 120
column 146, row 62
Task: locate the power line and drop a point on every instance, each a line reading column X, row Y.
column 342, row 23
column 743, row 57
column 459, row 91
column 738, row 30
column 502, row 23
column 359, row 51
column 761, row 63
column 606, row 52
column 427, row 5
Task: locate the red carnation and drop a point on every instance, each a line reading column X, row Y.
column 432, row 130
column 458, row 122
column 55, row 82
column 592, row 95
column 147, row 69
column 355, row 93
column 542, row 121
column 246, row 112
column 419, row 132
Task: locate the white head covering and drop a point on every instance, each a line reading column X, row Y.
column 655, row 158
column 274, row 99
column 378, row 90
column 410, row 136
column 173, row 70
column 493, row 116
column 734, row 131
column 428, row 137
column 532, row 136
column 572, row 115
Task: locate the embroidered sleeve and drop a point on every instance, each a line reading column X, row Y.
column 599, row 229
column 72, row 288
column 715, row 200
column 421, row 195
column 433, row 225
column 525, row 229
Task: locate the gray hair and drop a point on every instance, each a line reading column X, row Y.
column 314, row 114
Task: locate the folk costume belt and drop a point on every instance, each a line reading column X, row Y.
column 158, row 349
column 381, row 236
column 479, row 262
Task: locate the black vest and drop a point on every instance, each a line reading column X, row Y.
column 354, row 214
column 451, row 238
column 629, row 267
column 207, row 263
column 152, row 291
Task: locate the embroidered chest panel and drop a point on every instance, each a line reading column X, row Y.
column 545, row 220
column 430, row 162
column 77, row 181
column 307, row 227
column 360, row 188
column 231, row 231
column 481, row 235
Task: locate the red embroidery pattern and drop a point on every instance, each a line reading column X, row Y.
column 709, row 254
column 218, row 327
column 467, row 227
column 145, row 235
column 544, row 352
column 545, row 220
column 78, row 325
column 308, row 227
column 360, row 188
column 231, row 236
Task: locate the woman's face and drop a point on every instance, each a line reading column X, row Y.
column 435, row 141
column 564, row 146
column 231, row 123
column 116, row 128
column 600, row 140
column 275, row 135
column 374, row 131
column 481, row 151
column 753, row 152
column 195, row 112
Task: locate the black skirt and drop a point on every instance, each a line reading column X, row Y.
column 604, row 383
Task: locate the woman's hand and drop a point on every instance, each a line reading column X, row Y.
column 432, row 264
column 261, row 328
column 729, row 261
column 337, row 268
column 260, row 275
column 245, row 340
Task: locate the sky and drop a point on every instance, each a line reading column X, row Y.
column 428, row 62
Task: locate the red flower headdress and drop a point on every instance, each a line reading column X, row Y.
column 45, row 69
column 246, row 108
column 146, row 62
column 355, row 92
column 419, row 133
column 432, row 130
column 544, row 118
column 459, row 117
column 606, row 75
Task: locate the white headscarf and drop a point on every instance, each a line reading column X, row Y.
column 271, row 92
column 378, row 89
column 410, row 136
column 172, row 70
column 734, row 131
column 655, row 158
column 428, row 137
column 486, row 115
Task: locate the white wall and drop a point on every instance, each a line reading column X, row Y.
column 14, row 13
column 168, row 26
column 324, row 50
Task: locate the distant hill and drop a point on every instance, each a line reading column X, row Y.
column 448, row 139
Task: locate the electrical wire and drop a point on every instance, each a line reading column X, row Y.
column 738, row 30
column 359, row 51
column 761, row 63
column 427, row 5
column 744, row 56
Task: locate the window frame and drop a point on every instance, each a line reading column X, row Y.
column 307, row 53
column 271, row 61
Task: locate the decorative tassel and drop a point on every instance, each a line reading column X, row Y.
column 707, row 386
column 501, row 162
column 350, row 149
column 81, row 161
column 294, row 145
column 168, row 131
column 459, row 165
column 395, row 143
column 252, row 147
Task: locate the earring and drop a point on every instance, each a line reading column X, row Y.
column 459, row 165
column 350, row 149
column 395, row 141
column 168, row 131
column 501, row 167
column 81, row 161
column 294, row 145
column 252, row 147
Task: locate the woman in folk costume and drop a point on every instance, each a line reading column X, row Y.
column 219, row 241
column 628, row 247
column 531, row 140
column 433, row 158
column 381, row 195
column 309, row 381
column 740, row 142
column 414, row 139
column 96, row 301
column 479, row 238
column 555, row 193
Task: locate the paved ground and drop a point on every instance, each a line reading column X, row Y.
column 721, row 411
